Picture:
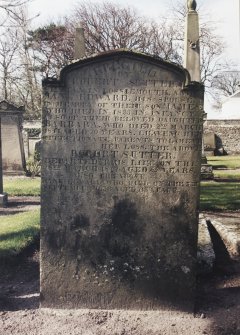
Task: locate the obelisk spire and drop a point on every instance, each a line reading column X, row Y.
column 191, row 5
column 79, row 50
column 192, row 49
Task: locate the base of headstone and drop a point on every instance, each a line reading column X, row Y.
column 209, row 153
column 206, row 172
column 3, row 199
column 14, row 173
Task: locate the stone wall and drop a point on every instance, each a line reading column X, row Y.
column 227, row 133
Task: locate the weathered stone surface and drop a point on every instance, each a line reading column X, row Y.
column 13, row 159
column 206, row 171
column 191, row 42
column 209, row 143
column 120, row 184
column 206, row 256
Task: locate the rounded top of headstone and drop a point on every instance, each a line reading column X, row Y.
column 118, row 54
column 192, row 5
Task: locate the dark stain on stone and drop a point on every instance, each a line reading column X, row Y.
column 123, row 230
column 55, row 239
column 80, row 222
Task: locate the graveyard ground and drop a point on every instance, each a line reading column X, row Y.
column 218, row 296
column 217, row 307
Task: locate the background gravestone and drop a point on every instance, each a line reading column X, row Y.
column 209, row 144
column 121, row 163
column 13, row 159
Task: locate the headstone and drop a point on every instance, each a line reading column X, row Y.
column 31, row 136
column 3, row 196
column 13, row 158
column 209, row 144
column 121, row 160
column 206, row 171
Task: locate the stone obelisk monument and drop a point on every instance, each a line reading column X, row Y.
column 192, row 64
column 192, row 49
column 79, row 48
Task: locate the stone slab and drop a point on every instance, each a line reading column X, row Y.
column 122, row 136
column 228, row 228
column 206, row 255
column 13, row 159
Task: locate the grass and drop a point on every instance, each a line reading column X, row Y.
column 22, row 186
column 17, row 232
column 219, row 196
column 226, row 174
column 224, row 162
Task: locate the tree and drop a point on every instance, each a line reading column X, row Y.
column 8, row 10
column 28, row 88
column 212, row 45
column 9, row 65
column 227, row 82
column 224, row 84
column 109, row 26
column 53, row 48
column 45, row 50
column 18, row 79
column 166, row 41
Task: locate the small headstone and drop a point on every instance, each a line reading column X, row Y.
column 13, row 158
column 121, row 158
column 209, row 144
column 206, row 171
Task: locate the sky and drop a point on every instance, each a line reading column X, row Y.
column 226, row 14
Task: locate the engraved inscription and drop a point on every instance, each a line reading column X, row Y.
column 136, row 130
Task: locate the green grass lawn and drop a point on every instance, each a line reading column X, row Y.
column 17, row 232
column 224, row 162
column 219, row 196
column 227, row 174
column 22, row 186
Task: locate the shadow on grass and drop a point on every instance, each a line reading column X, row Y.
column 17, row 243
column 219, row 167
column 220, row 196
column 26, row 233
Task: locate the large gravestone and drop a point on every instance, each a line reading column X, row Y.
column 13, row 158
column 121, row 163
